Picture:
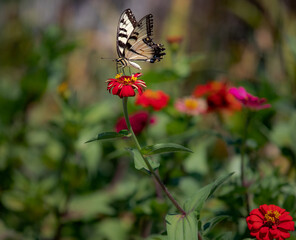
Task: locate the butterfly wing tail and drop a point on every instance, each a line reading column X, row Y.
column 158, row 50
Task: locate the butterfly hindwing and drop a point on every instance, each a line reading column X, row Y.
column 142, row 30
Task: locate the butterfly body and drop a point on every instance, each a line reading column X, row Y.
column 134, row 41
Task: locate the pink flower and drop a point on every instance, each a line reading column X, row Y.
column 191, row 105
column 125, row 86
column 248, row 100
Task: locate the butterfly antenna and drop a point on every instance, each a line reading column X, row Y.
column 113, row 59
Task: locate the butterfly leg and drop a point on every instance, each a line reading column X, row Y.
column 117, row 67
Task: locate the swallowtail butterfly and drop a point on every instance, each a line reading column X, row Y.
column 134, row 41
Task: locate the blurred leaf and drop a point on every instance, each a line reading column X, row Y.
column 183, row 64
column 160, row 75
column 196, row 202
column 110, row 135
column 247, row 11
column 89, row 205
column 164, row 148
column 111, row 229
column 13, row 201
column 197, row 162
column 176, row 127
column 208, row 226
column 140, row 162
column 289, row 202
column 181, row 227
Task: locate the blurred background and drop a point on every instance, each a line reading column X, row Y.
column 53, row 98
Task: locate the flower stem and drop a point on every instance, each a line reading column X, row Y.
column 154, row 174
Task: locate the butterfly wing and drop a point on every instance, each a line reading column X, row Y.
column 139, row 45
column 126, row 25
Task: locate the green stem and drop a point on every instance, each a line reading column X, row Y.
column 156, row 177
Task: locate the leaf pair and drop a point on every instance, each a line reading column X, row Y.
column 183, row 227
column 139, row 160
column 147, row 151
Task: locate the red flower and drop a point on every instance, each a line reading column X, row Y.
column 270, row 222
column 138, row 122
column 125, row 86
column 156, row 99
column 248, row 100
column 218, row 97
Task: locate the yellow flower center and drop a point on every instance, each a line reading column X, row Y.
column 129, row 80
column 118, row 75
column 272, row 216
column 191, row 104
column 133, row 78
column 126, row 80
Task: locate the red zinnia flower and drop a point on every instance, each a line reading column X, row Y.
column 248, row 100
column 270, row 222
column 218, row 97
column 156, row 99
column 125, row 86
column 138, row 122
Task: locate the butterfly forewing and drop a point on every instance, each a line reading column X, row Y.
column 126, row 25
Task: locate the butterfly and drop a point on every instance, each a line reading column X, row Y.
column 134, row 41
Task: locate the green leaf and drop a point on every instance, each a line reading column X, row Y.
column 104, row 229
column 164, row 148
column 212, row 223
column 195, row 203
column 110, row 135
column 140, row 162
column 90, row 205
column 180, row 227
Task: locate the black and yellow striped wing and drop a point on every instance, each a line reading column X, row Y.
column 134, row 39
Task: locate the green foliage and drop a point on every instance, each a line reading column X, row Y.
column 110, row 135
column 163, row 148
column 210, row 224
column 140, row 163
column 180, row 227
column 196, row 202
